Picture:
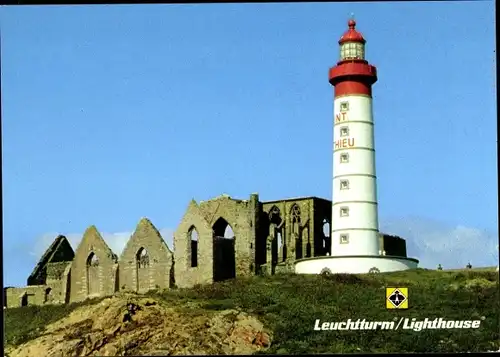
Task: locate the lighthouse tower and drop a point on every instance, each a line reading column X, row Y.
column 355, row 243
column 354, row 210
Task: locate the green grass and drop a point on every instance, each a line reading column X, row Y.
column 289, row 304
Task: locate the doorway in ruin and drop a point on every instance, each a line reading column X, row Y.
column 142, row 270
column 297, row 231
column 224, row 259
column 67, row 292
column 93, row 278
column 48, row 295
column 276, row 230
column 325, row 240
column 281, row 247
column 24, row 299
column 308, row 246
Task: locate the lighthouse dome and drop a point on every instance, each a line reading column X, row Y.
column 352, row 44
column 351, row 35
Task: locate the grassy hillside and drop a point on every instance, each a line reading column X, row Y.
column 289, row 305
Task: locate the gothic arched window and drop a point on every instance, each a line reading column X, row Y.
column 142, row 258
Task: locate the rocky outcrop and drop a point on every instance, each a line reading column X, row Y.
column 134, row 325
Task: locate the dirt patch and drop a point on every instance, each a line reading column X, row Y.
column 132, row 325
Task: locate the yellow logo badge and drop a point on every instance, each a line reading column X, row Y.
column 396, row 298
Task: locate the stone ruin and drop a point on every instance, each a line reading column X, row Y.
column 219, row 239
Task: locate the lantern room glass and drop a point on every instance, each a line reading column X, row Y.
column 352, row 51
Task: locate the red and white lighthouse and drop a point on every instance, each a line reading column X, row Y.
column 355, row 238
column 355, row 229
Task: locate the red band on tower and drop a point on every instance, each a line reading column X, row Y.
column 352, row 88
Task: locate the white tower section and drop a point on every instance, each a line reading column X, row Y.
column 354, row 211
column 354, row 202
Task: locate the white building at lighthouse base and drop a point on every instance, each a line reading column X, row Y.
column 354, row 264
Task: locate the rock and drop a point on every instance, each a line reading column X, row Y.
column 110, row 350
column 150, row 330
column 262, row 340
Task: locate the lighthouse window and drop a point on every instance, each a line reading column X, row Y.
column 344, row 158
column 344, row 131
column 344, row 184
column 344, row 238
column 344, row 106
column 352, row 50
column 344, row 211
column 360, row 51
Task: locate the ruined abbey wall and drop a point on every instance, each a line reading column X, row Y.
column 295, row 229
column 218, row 239
column 146, row 262
column 94, row 268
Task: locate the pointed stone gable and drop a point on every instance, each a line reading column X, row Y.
column 59, row 251
column 195, row 209
column 187, row 275
column 146, row 261
column 97, row 277
column 93, row 239
column 146, row 229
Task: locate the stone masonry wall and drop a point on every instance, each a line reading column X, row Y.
column 59, row 251
column 298, row 240
column 57, row 282
column 92, row 243
column 185, row 275
column 55, row 271
column 255, row 248
column 289, row 238
column 33, row 295
column 140, row 273
column 241, row 216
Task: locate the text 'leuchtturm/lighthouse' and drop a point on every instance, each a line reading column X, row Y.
column 355, row 229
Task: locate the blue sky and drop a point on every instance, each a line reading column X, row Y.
column 112, row 113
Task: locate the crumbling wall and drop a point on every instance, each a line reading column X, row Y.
column 57, row 282
column 292, row 229
column 59, row 251
column 26, row 296
column 93, row 270
column 146, row 261
column 55, row 271
column 242, row 216
column 186, row 275
column 253, row 250
column 207, row 218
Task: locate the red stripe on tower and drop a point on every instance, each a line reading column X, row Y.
column 352, row 88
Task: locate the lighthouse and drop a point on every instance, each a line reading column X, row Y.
column 355, row 228
column 356, row 247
